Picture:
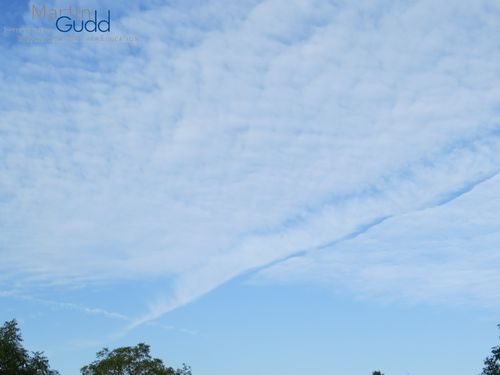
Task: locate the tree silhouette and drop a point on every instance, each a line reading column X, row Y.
column 492, row 363
column 128, row 360
column 14, row 359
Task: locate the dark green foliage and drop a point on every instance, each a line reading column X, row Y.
column 377, row 373
column 14, row 359
column 128, row 360
column 492, row 363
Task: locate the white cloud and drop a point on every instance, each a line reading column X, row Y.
column 444, row 254
column 239, row 138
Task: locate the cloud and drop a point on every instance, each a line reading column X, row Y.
column 232, row 137
column 76, row 307
column 443, row 254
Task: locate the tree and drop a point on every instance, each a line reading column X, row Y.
column 14, row 359
column 128, row 360
column 377, row 373
column 492, row 363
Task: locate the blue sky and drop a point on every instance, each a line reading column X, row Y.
column 281, row 187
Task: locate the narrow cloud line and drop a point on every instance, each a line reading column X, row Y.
column 91, row 311
column 467, row 188
column 159, row 309
column 70, row 306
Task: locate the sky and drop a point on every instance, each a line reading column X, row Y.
column 272, row 187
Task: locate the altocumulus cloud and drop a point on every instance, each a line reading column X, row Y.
column 238, row 135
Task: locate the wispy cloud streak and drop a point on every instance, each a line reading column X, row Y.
column 230, row 140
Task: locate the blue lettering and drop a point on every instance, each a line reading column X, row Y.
column 92, row 22
column 68, row 25
column 108, row 22
column 90, row 25
column 74, row 27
